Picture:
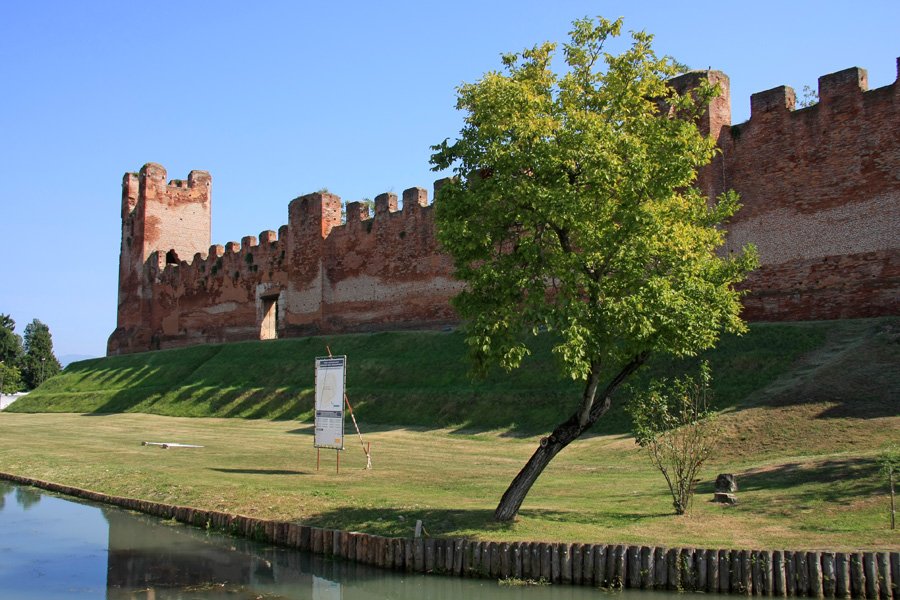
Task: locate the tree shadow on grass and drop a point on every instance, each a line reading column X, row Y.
column 365, row 428
column 833, row 481
column 856, row 376
column 260, row 471
column 401, row 522
column 266, row 403
column 594, row 516
column 450, row 522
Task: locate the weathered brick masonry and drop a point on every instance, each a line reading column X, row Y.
column 315, row 275
column 820, row 188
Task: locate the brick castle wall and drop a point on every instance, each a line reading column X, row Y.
column 316, row 275
column 820, row 188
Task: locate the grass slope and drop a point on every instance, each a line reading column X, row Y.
column 600, row 489
column 806, row 409
column 421, row 379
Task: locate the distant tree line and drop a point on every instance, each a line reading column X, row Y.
column 25, row 362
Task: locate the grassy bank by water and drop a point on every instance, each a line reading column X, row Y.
column 601, row 489
column 421, row 379
column 805, row 407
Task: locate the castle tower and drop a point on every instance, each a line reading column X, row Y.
column 161, row 223
column 715, row 122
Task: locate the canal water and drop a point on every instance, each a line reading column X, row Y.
column 53, row 547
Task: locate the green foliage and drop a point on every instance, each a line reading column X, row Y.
column 808, row 97
column 889, row 461
column 13, row 358
column 10, row 342
column 674, row 422
column 10, row 378
column 574, row 210
column 39, row 362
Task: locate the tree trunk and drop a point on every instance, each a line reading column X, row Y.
column 590, row 410
column 515, row 494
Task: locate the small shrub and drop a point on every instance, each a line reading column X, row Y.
column 675, row 424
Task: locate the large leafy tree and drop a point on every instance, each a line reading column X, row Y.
column 39, row 362
column 10, row 355
column 574, row 210
column 10, row 342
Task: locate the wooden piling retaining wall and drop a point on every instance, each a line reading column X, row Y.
column 778, row 573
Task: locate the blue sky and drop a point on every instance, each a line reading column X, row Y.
column 278, row 99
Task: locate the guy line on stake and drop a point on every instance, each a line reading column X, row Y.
column 365, row 447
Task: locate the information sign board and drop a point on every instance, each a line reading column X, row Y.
column 330, row 378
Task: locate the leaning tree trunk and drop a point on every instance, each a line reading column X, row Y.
column 593, row 406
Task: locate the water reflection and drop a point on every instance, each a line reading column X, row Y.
column 50, row 548
column 5, row 489
column 59, row 548
column 27, row 497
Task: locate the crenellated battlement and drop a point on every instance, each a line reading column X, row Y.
column 819, row 189
column 820, row 144
column 246, row 257
column 779, row 99
column 836, row 92
column 820, row 194
column 323, row 271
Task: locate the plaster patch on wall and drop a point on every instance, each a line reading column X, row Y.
column 306, row 300
column 218, row 309
column 783, row 235
column 365, row 288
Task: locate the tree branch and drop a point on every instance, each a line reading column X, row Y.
column 598, row 410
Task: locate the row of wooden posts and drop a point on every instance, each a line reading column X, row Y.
column 868, row 575
column 750, row 572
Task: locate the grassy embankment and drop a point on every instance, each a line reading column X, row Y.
column 805, row 407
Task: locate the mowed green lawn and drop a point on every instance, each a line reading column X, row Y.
column 806, row 408
column 824, row 493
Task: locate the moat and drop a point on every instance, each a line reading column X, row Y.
column 53, row 547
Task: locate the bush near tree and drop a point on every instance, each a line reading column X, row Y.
column 574, row 211
column 675, row 424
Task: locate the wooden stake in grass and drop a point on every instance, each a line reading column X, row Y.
column 365, row 447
